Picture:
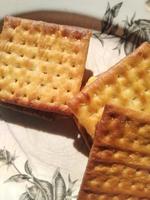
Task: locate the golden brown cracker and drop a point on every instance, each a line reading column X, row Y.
column 125, row 84
column 41, row 64
column 118, row 167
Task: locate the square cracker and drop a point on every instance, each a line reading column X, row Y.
column 41, row 64
column 125, row 84
column 119, row 162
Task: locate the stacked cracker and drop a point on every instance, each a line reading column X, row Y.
column 41, row 64
column 119, row 162
column 118, row 167
column 125, row 84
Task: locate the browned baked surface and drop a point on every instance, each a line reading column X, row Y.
column 41, row 64
column 119, row 162
column 125, row 84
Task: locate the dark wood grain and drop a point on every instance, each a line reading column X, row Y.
column 61, row 17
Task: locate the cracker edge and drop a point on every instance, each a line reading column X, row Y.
column 45, row 27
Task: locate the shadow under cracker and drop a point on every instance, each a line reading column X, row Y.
column 55, row 124
column 87, row 74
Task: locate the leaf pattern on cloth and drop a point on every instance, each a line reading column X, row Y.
column 38, row 189
column 109, row 16
column 134, row 32
column 19, row 178
column 6, row 157
column 27, row 168
column 59, row 186
column 25, row 196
